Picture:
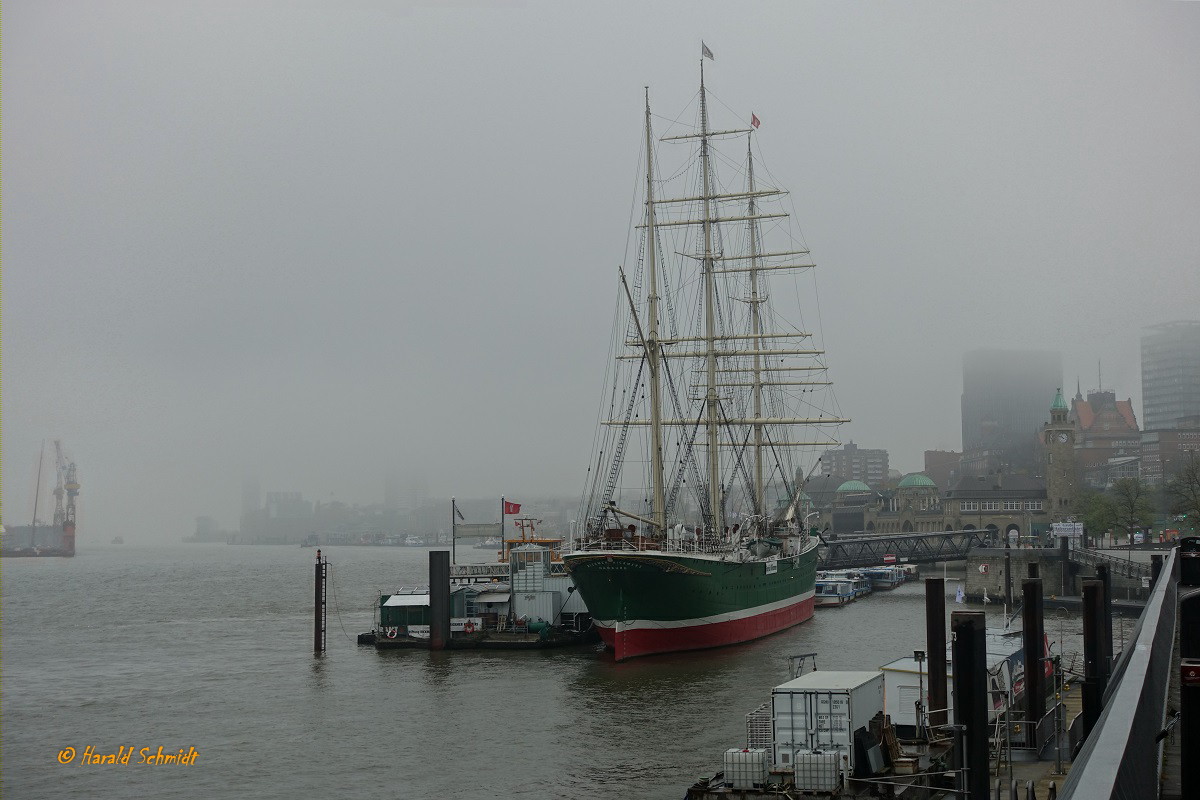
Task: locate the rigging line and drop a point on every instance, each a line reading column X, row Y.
column 602, row 434
column 739, row 463
column 337, row 607
column 815, row 291
column 787, row 485
column 678, row 119
column 689, row 457
column 623, row 436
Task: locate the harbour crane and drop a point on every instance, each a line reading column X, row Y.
column 68, row 484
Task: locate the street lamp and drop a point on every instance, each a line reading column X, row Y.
column 919, row 657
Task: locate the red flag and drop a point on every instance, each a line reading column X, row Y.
column 754, row 121
column 512, row 508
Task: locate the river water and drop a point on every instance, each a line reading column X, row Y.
column 209, row 647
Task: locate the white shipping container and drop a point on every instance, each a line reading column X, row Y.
column 820, row 711
column 572, row 602
column 905, row 680
column 745, row 769
column 537, row 605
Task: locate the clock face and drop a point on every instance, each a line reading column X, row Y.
column 1062, row 437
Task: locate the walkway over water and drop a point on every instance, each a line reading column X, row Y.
column 910, row 548
column 928, row 548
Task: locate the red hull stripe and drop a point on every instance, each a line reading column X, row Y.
column 633, row 642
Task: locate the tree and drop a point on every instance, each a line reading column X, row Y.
column 1132, row 505
column 1183, row 491
column 1097, row 512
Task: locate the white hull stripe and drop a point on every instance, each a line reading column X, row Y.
column 719, row 558
column 732, row 616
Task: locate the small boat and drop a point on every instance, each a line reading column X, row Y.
column 860, row 582
column 118, row 540
column 833, row 591
column 884, row 578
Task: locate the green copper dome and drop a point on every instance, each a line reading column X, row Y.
column 916, row 479
column 854, row 486
column 1059, row 403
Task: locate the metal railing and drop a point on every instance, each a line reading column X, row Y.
column 912, row 548
column 705, row 544
column 1122, row 757
column 1116, row 566
column 495, row 570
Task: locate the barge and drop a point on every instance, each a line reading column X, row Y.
column 537, row 607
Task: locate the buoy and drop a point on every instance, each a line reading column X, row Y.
column 469, row 627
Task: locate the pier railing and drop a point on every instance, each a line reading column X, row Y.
column 487, row 572
column 912, row 548
column 1122, row 757
column 1116, row 566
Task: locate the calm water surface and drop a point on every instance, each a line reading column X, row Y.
column 209, row 646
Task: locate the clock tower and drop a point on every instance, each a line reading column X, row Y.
column 1058, row 436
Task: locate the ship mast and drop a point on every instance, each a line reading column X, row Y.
column 658, row 510
column 710, row 347
column 756, row 331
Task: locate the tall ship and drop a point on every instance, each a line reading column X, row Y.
column 695, row 517
column 39, row 539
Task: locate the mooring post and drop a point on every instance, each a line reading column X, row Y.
column 319, row 609
column 935, row 648
column 1035, row 655
column 439, row 599
column 1064, row 565
column 969, row 630
column 1093, row 661
column 1008, row 581
column 1104, row 575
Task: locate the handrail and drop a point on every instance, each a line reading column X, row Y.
column 1121, row 757
column 1119, row 566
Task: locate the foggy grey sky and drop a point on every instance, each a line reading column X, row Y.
column 318, row 241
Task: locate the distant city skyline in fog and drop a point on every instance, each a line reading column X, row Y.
column 323, row 245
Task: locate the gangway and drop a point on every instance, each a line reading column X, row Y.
column 1116, row 566
column 908, row 548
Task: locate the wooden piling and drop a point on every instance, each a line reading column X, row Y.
column 1035, row 665
column 320, row 612
column 1104, row 575
column 439, row 599
column 969, row 629
column 1093, row 661
column 935, row 646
